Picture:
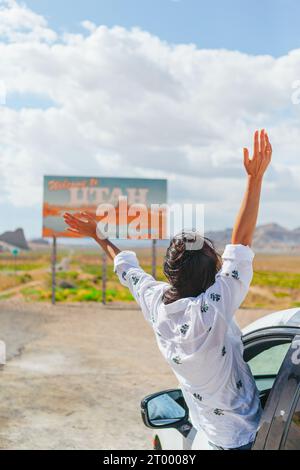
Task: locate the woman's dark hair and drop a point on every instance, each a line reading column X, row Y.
column 190, row 272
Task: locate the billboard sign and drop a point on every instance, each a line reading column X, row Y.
column 133, row 208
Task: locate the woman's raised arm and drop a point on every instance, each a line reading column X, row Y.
column 85, row 224
column 256, row 167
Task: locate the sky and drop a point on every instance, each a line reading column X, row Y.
column 256, row 27
column 151, row 89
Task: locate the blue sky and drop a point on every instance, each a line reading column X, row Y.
column 254, row 27
column 104, row 101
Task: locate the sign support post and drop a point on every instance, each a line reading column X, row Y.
column 154, row 257
column 104, row 277
column 53, row 269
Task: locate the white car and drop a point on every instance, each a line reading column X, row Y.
column 272, row 350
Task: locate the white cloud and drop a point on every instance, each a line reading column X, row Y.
column 18, row 23
column 127, row 103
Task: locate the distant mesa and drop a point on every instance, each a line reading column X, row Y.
column 39, row 241
column 16, row 239
column 39, row 244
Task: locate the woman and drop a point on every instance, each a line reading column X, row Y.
column 193, row 315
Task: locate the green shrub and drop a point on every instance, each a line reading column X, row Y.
column 24, row 278
column 281, row 295
column 276, row 279
column 21, row 267
column 67, row 275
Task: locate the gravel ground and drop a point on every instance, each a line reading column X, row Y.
column 76, row 374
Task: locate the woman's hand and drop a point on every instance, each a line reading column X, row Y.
column 262, row 155
column 83, row 224
column 246, row 219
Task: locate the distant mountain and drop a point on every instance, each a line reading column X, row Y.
column 15, row 239
column 39, row 241
column 269, row 237
column 39, row 244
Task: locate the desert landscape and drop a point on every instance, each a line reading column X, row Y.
column 76, row 373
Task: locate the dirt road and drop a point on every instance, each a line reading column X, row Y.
column 76, row 374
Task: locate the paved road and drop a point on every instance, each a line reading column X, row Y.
column 76, row 375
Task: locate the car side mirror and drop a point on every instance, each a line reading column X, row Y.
column 166, row 409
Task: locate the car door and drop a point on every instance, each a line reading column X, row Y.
column 265, row 353
column 282, row 401
column 291, row 437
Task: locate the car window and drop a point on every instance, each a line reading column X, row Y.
column 266, row 363
column 293, row 438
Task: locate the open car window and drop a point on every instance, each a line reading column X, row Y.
column 266, row 364
column 265, row 357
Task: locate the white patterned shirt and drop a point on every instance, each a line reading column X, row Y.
column 201, row 341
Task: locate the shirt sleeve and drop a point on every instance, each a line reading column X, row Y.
column 142, row 285
column 232, row 282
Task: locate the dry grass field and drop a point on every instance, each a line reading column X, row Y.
column 276, row 281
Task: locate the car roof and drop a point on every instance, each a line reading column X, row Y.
column 290, row 317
